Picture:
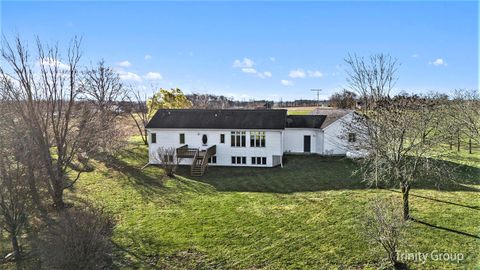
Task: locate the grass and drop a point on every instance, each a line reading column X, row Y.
column 299, row 110
column 303, row 216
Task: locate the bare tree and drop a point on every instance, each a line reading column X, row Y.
column 45, row 99
column 167, row 159
column 465, row 112
column 80, row 239
column 200, row 101
column 384, row 225
column 139, row 113
column 400, row 136
column 103, row 87
column 372, row 79
column 13, row 202
column 343, row 100
column 13, row 184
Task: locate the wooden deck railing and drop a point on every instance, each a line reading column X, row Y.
column 200, row 158
column 185, row 152
column 212, row 150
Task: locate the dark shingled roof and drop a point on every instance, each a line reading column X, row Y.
column 332, row 115
column 305, row 121
column 218, row 119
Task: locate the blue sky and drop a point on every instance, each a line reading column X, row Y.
column 274, row 50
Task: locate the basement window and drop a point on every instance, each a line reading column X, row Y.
column 259, row 161
column 239, row 160
column 212, row 160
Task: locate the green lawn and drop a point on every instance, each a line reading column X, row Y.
column 302, row 216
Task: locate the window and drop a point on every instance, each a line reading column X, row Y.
column 352, row 137
column 239, row 160
column 238, row 138
column 257, row 138
column 153, row 138
column 182, row 138
column 222, row 138
column 259, row 161
column 204, row 139
column 212, row 160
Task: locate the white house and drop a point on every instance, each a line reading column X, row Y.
column 257, row 138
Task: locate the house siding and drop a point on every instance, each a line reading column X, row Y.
column 327, row 141
column 335, row 143
column 293, row 140
column 193, row 138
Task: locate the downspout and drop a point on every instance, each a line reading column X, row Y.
column 281, row 157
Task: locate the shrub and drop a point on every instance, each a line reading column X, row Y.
column 384, row 224
column 80, row 239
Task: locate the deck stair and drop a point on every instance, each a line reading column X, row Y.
column 199, row 158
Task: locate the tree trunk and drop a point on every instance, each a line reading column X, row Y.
column 470, row 146
column 393, row 257
column 58, row 196
column 33, row 185
column 406, row 208
column 15, row 246
column 458, row 142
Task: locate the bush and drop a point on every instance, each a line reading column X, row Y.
column 80, row 239
column 384, row 224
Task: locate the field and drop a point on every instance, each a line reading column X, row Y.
column 303, row 216
column 299, row 110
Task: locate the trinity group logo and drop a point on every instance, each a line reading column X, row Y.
column 435, row 255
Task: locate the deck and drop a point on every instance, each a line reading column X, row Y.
column 200, row 158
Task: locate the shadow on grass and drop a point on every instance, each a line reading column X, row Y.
column 299, row 174
column 444, row 228
column 454, row 177
column 316, row 173
column 150, row 180
column 135, row 174
column 441, row 201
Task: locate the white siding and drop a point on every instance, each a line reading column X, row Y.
column 328, row 141
column 193, row 137
column 293, row 140
column 335, row 143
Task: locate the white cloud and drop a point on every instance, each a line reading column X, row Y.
column 245, row 63
column 438, row 62
column 415, row 55
column 148, row 57
column 153, row 76
column 286, row 82
column 249, row 70
column 315, row 74
column 125, row 64
column 52, row 63
column 264, row 75
column 129, row 76
column 273, row 59
column 298, row 73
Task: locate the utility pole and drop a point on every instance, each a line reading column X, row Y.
column 318, row 95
